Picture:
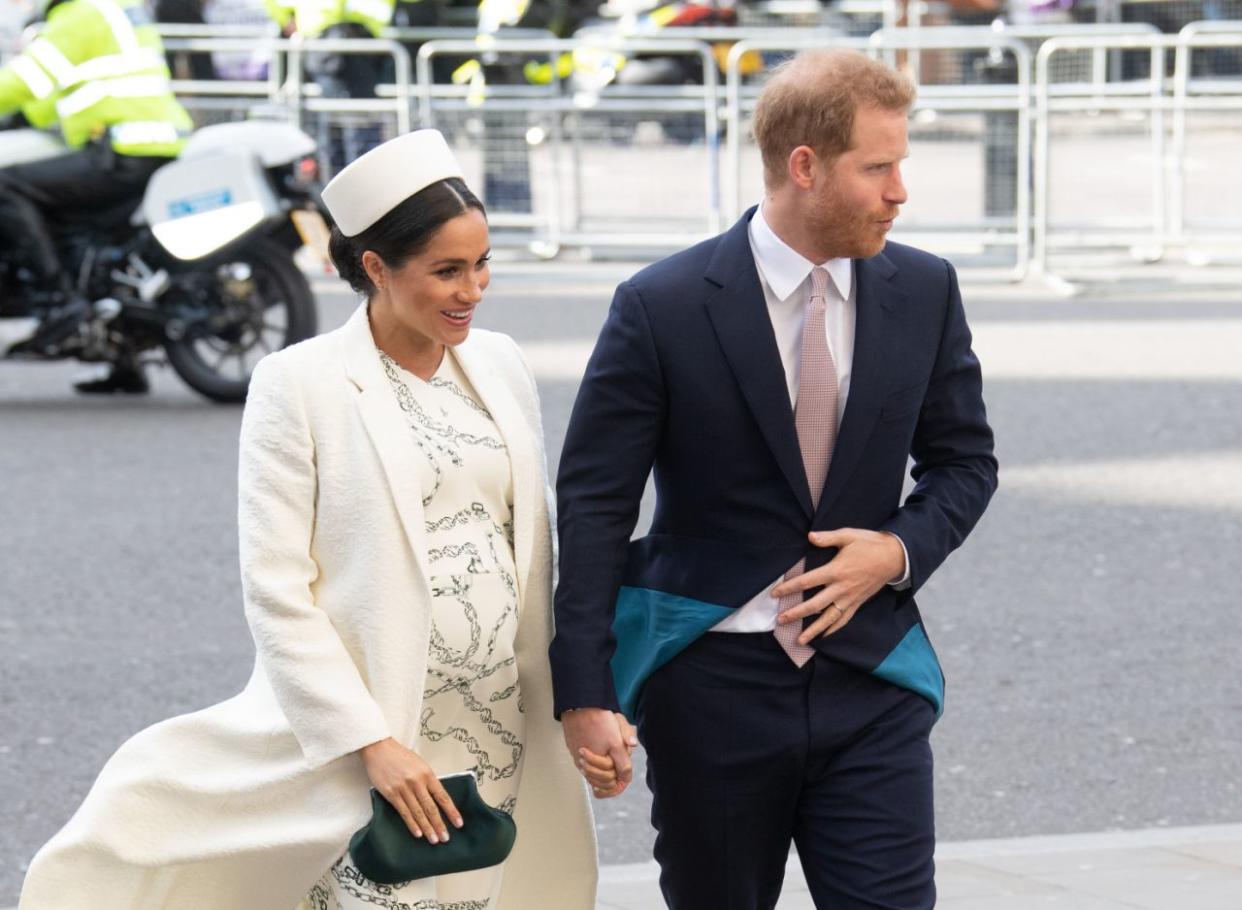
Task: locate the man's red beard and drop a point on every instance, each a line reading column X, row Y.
column 849, row 233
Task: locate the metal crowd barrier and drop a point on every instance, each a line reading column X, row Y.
column 567, row 171
column 1219, row 95
column 1073, row 153
column 798, row 13
column 982, row 113
column 1143, row 108
column 285, row 89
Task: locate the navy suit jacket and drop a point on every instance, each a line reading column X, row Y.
column 686, row 379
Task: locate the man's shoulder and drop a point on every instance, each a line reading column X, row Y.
column 912, row 260
column 675, row 276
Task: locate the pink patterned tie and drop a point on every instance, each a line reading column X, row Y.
column 815, row 417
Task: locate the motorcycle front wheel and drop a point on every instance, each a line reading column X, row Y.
column 233, row 309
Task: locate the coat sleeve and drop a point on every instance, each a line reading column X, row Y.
column 34, row 79
column 23, row 82
column 954, row 469
column 610, row 446
column 313, row 676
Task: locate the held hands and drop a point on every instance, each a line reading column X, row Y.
column 413, row 789
column 601, row 742
column 865, row 562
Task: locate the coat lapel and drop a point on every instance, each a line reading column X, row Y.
column 740, row 318
column 527, row 480
column 388, row 428
column 875, row 301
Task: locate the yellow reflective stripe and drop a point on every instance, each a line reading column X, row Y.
column 120, row 65
column 377, row 10
column 466, row 72
column 145, row 132
column 56, row 63
column 118, row 22
column 127, row 87
column 32, row 74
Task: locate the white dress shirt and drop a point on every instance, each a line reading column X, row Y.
column 785, row 277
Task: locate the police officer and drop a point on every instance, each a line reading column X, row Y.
column 98, row 69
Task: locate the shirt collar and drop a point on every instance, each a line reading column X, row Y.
column 784, row 269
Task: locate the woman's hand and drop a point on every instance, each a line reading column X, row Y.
column 409, row 784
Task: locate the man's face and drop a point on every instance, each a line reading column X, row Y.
column 857, row 194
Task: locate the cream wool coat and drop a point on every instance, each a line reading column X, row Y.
column 244, row 805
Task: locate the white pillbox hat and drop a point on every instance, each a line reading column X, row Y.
column 372, row 186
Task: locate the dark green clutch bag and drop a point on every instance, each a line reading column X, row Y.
column 386, row 852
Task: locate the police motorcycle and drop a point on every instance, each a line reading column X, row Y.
column 199, row 268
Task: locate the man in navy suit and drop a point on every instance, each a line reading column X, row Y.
column 764, row 634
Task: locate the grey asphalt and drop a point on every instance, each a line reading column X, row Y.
column 1087, row 629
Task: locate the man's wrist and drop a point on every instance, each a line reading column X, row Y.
column 901, row 562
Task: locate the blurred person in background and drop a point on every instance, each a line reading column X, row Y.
column 341, row 74
column 97, row 70
column 185, row 64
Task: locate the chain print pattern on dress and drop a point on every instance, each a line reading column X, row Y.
column 472, row 702
column 476, row 512
column 354, row 884
column 431, row 436
column 454, row 389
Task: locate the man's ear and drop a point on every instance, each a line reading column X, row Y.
column 801, row 166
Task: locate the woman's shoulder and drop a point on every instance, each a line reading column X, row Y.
column 493, row 343
column 307, row 358
column 505, row 358
column 500, row 351
column 306, row 371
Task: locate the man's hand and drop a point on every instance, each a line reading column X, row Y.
column 865, row 562
column 600, row 743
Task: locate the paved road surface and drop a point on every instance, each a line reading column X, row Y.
column 1088, row 631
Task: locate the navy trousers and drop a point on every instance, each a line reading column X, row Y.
column 747, row 753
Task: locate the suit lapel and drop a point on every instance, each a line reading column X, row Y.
column 739, row 315
column 875, row 301
column 388, row 429
column 527, row 480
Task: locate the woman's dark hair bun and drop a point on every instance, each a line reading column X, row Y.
column 402, row 233
column 348, row 262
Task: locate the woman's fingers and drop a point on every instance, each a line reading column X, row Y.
column 434, row 826
column 597, row 778
column 599, row 770
column 445, row 802
column 411, row 787
column 587, row 758
column 609, row 790
column 398, row 803
column 414, row 809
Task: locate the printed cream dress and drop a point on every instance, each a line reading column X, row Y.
column 472, row 706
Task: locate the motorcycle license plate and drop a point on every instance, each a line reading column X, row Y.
column 314, row 232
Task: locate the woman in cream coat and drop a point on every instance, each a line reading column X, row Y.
column 248, row 804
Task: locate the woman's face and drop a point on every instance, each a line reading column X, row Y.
column 433, row 295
